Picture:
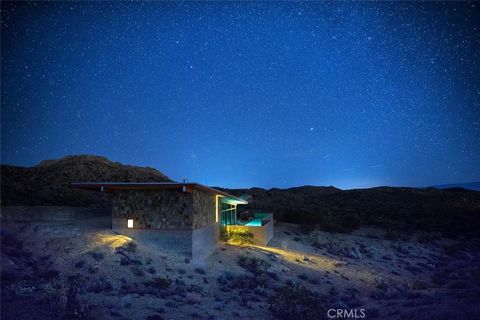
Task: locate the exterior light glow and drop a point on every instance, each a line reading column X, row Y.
column 216, row 207
column 130, row 223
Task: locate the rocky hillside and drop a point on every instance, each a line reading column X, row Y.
column 48, row 183
column 453, row 211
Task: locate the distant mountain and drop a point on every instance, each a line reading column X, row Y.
column 469, row 186
column 48, row 183
column 452, row 211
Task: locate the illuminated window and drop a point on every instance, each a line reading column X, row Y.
column 129, row 223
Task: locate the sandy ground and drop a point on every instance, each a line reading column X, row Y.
column 83, row 269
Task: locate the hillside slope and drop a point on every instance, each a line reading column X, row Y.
column 449, row 211
column 48, row 183
column 82, row 269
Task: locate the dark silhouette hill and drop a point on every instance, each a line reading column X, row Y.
column 452, row 212
column 48, row 183
column 469, row 185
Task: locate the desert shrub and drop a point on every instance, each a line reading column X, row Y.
column 303, row 277
column 296, row 302
column 273, row 275
column 439, row 278
column 454, row 248
column 136, row 262
column 236, row 237
column 337, row 249
column 56, row 295
column 338, row 223
column 253, row 265
column 80, row 264
column 137, row 271
column 475, row 275
column 131, row 246
column 225, row 278
column 200, row 270
column 100, row 286
column 317, row 243
column 350, row 222
column 458, row 285
column 428, row 237
column 248, row 281
column 420, row 285
column 97, row 255
column 152, row 270
column 50, row 274
column 193, row 298
column 92, row 269
column 306, row 219
column 10, row 240
column 76, row 307
column 159, row 283
column 399, row 247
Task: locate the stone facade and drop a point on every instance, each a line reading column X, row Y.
column 204, row 209
column 183, row 222
column 155, row 209
column 164, row 209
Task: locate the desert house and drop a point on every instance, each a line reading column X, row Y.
column 184, row 217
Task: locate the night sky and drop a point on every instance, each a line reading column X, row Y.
column 248, row 94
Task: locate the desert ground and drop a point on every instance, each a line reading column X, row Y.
column 81, row 269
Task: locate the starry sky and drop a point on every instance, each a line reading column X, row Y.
column 243, row 94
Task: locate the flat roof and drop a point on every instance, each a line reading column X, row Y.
column 114, row 186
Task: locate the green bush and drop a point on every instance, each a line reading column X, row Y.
column 236, row 237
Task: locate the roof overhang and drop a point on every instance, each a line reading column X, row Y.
column 185, row 187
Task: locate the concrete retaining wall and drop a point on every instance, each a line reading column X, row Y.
column 50, row 213
column 195, row 244
column 204, row 242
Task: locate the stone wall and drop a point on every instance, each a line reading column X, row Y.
column 203, row 209
column 155, row 209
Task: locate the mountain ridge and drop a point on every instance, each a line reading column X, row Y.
column 451, row 210
column 48, row 182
